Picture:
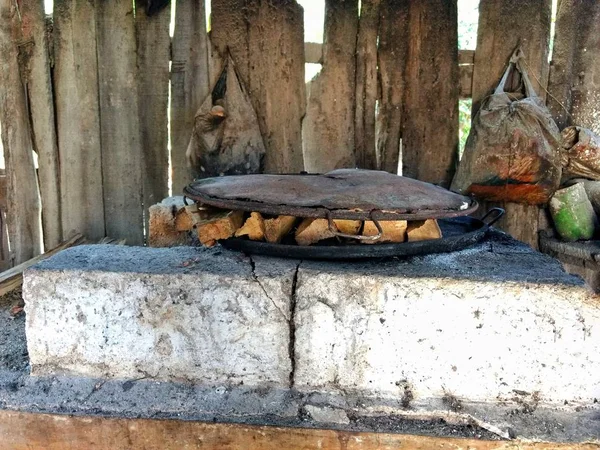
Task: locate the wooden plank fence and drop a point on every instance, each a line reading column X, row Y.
column 88, row 92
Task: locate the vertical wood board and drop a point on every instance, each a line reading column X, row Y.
column 153, row 56
column 36, row 63
column 392, row 57
column 328, row 129
column 120, row 121
column 277, row 86
column 266, row 42
column 189, row 83
column 502, row 25
column 23, row 212
column 430, row 117
column 574, row 82
column 78, row 118
column 367, row 86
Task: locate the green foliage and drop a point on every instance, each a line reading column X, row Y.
column 464, row 124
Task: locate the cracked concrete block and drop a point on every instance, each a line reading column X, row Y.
column 327, row 414
column 496, row 322
column 207, row 316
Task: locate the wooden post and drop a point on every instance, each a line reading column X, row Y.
column 78, row 118
column 36, row 69
column 23, row 213
column 366, row 84
column 328, row 131
column 502, row 25
column 573, row 83
column 392, row 56
column 430, row 116
column 120, row 121
column 153, row 56
column 266, row 42
column 189, row 83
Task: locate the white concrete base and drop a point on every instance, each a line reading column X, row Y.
column 421, row 338
column 123, row 312
column 497, row 322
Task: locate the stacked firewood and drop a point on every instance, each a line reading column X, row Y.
column 213, row 225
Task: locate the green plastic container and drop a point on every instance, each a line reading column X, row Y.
column 573, row 213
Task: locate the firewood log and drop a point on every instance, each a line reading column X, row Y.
column 222, row 225
column 277, row 228
column 183, row 220
column 348, row 226
column 254, row 227
column 311, row 231
column 393, row 231
column 420, row 230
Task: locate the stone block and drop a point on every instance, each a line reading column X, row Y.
column 497, row 322
column 168, row 314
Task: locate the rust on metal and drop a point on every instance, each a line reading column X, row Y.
column 340, row 194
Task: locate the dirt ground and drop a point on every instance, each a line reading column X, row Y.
column 13, row 346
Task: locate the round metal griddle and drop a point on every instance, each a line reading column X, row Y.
column 341, row 194
column 458, row 233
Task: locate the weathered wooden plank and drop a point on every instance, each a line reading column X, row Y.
column 120, row 121
column 573, row 83
column 189, row 83
column 78, row 118
column 502, row 25
column 13, row 278
column 430, row 117
column 153, row 56
column 277, row 85
column 266, row 42
column 328, row 131
column 366, row 84
column 465, row 76
column 23, row 211
column 41, row 110
column 20, row 431
column 313, row 53
column 392, row 56
column 466, row 57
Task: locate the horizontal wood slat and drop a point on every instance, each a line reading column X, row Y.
column 19, row 431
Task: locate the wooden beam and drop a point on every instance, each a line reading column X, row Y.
column 367, row 85
column 328, row 132
column 120, row 121
column 20, row 431
column 153, row 56
column 13, row 278
column 502, row 25
column 575, row 61
column 78, row 118
column 23, row 197
column 189, row 83
column 430, row 117
column 41, row 109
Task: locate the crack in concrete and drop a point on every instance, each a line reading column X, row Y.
column 255, row 277
column 292, row 324
column 290, row 320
